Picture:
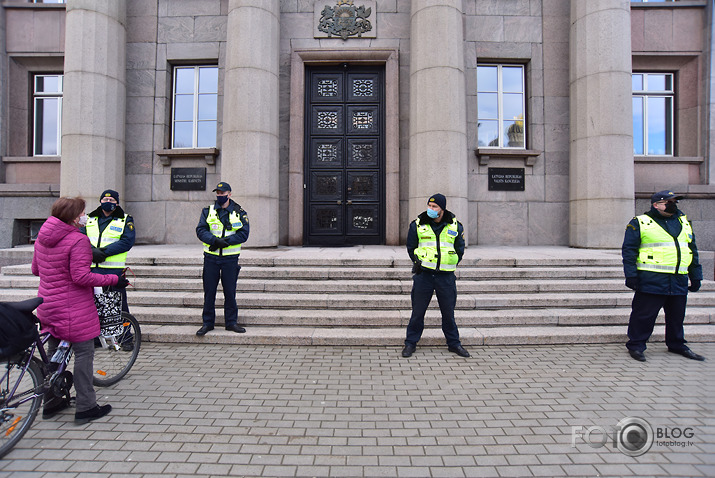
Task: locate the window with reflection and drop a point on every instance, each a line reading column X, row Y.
column 653, row 97
column 47, row 115
column 195, row 107
column 501, row 101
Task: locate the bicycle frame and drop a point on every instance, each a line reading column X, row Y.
column 39, row 346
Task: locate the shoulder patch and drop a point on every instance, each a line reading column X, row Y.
column 130, row 226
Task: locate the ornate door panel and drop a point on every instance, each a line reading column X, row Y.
column 344, row 157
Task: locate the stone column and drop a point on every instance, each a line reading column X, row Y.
column 249, row 150
column 438, row 120
column 94, row 99
column 601, row 129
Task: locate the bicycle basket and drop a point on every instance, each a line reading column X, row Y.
column 109, row 309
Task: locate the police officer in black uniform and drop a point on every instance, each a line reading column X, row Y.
column 223, row 227
column 111, row 233
column 659, row 256
column 435, row 243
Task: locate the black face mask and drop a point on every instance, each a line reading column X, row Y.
column 671, row 208
column 109, row 206
column 221, row 199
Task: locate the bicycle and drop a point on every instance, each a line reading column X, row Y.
column 28, row 377
column 118, row 340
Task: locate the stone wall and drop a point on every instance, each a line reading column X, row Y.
column 535, row 34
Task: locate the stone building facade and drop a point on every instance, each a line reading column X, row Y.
column 544, row 122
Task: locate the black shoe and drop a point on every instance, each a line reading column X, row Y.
column 459, row 350
column 49, row 412
column 236, row 328
column 204, row 328
column 80, row 418
column 637, row 355
column 687, row 353
column 408, row 350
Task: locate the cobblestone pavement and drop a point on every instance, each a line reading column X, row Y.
column 222, row 410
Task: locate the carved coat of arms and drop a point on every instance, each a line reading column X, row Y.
column 345, row 19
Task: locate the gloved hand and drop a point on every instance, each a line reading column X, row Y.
column 417, row 267
column 122, row 283
column 694, row 285
column 632, row 282
column 218, row 244
column 98, row 255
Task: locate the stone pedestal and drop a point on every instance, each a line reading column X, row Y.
column 94, row 103
column 249, row 150
column 601, row 131
column 438, row 135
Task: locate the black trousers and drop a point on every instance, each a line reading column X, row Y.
column 226, row 269
column 424, row 285
column 644, row 310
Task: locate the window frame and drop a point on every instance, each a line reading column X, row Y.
column 195, row 113
column 42, row 96
column 501, row 120
column 646, row 94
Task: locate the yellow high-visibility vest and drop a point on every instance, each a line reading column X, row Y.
column 111, row 234
column 217, row 229
column 431, row 251
column 659, row 252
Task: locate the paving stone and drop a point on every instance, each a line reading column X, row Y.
column 331, row 411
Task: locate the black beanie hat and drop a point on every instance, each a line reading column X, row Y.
column 439, row 200
column 110, row 193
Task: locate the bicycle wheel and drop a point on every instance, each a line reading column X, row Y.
column 111, row 363
column 16, row 415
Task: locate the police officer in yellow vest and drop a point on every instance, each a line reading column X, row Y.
column 659, row 256
column 435, row 243
column 223, row 227
column 111, row 233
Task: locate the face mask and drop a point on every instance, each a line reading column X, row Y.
column 671, row 208
column 83, row 220
column 221, row 199
column 432, row 213
column 109, row 206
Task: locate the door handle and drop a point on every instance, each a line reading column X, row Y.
column 339, row 201
column 349, row 202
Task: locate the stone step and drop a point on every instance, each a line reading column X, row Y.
column 320, row 260
column 375, row 286
column 361, row 296
column 400, row 318
column 357, row 273
column 338, row 301
column 394, row 337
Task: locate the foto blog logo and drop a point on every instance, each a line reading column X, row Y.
column 632, row 436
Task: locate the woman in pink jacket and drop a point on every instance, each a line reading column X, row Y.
column 62, row 260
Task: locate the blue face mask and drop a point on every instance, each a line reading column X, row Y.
column 221, row 199
column 432, row 213
column 109, row 206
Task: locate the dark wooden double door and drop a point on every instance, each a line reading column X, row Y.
column 344, row 156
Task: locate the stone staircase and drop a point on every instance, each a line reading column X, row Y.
column 303, row 296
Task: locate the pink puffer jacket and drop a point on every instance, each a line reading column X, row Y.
column 62, row 259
